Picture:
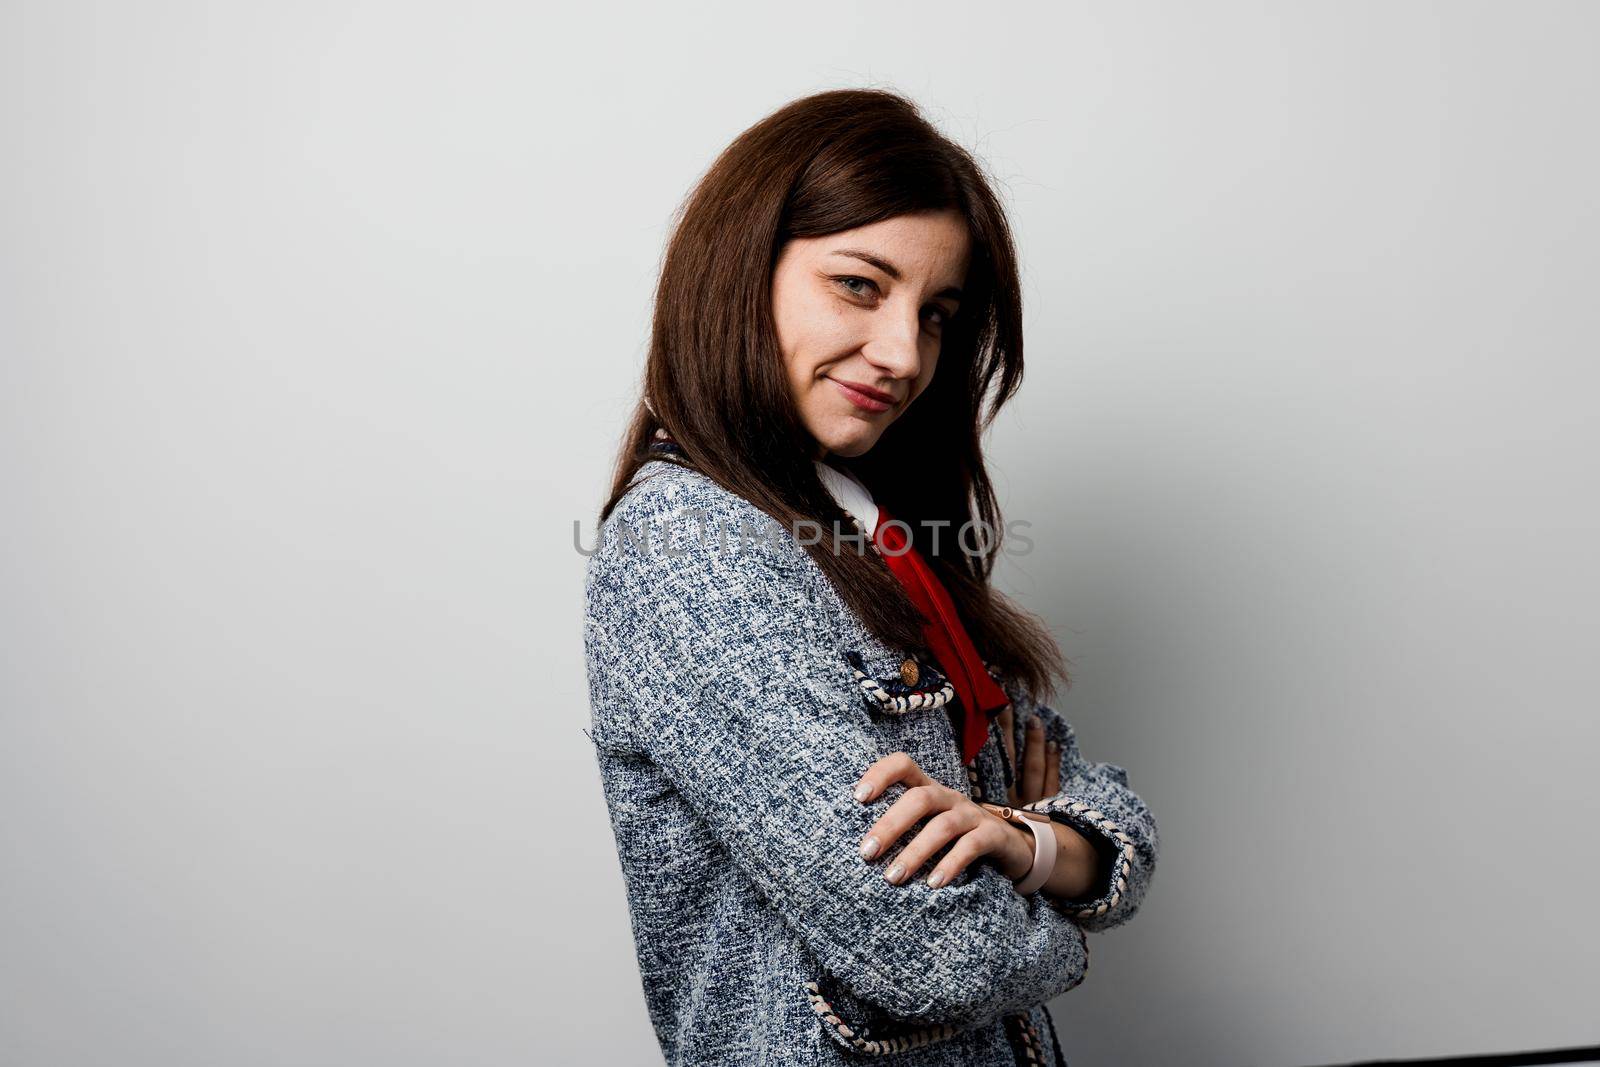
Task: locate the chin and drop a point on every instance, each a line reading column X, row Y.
column 851, row 446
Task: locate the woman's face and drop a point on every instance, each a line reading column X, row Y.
column 859, row 315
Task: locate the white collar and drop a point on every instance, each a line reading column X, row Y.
column 851, row 495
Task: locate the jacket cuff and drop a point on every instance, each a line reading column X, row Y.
column 1114, row 847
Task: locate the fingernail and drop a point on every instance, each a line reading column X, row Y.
column 862, row 789
column 895, row 873
column 869, row 847
column 936, row 879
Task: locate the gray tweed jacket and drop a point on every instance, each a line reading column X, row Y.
column 735, row 702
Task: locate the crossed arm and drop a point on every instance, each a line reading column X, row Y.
column 737, row 695
column 968, row 831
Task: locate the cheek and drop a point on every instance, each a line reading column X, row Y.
column 930, row 362
column 813, row 330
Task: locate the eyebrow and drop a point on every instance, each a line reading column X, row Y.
column 889, row 268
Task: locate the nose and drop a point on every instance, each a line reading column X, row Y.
column 895, row 345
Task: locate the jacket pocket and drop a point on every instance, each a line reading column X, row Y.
column 895, row 684
column 863, row 1030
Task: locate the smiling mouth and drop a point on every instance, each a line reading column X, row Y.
column 865, row 397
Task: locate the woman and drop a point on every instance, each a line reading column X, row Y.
column 814, row 718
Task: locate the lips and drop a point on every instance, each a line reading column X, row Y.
column 864, row 396
column 876, row 394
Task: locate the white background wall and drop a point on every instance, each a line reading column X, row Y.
column 319, row 321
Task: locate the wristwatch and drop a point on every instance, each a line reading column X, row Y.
column 1044, row 843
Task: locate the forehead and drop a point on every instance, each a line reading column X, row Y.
column 929, row 244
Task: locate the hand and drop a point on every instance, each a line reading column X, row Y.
column 953, row 819
column 1037, row 773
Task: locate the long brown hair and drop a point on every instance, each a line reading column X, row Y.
column 715, row 380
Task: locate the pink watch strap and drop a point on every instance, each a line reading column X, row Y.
column 1044, row 855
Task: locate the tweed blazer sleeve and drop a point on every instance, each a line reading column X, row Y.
column 1096, row 800
column 737, row 691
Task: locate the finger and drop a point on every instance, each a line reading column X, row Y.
column 1033, row 762
column 942, row 829
column 911, row 808
column 1006, row 721
column 1007, row 724
column 1052, row 772
column 987, row 837
column 895, row 767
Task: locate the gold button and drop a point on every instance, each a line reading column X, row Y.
column 908, row 672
